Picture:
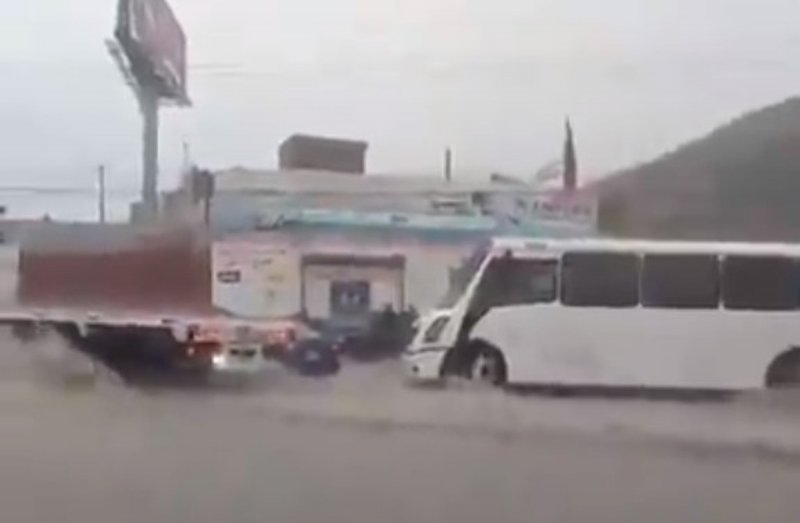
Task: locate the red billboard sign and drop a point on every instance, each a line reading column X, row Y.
column 155, row 45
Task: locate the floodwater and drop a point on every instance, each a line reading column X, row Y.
column 363, row 447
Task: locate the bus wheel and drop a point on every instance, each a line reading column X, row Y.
column 489, row 365
column 784, row 372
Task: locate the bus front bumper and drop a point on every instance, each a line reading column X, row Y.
column 424, row 365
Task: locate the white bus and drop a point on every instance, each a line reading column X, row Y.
column 620, row 313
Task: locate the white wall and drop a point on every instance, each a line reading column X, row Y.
column 423, row 283
column 269, row 279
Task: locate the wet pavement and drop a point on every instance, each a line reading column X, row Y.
column 362, row 446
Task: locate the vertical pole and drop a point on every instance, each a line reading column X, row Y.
column 186, row 175
column 448, row 164
column 101, row 184
column 187, row 158
column 148, row 102
column 207, row 210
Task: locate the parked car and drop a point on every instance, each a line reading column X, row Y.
column 313, row 357
column 343, row 337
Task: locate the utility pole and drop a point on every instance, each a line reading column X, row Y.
column 448, row 165
column 187, row 157
column 207, row 209
column 101, row 197
column 203, row 188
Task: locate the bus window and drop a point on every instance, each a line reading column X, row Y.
column 534, row 281
column 759, row 283
column 514, row 281
column 680, row 281
column 600, row 279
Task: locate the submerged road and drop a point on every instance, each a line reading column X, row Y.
column 76, row 459
column 362, row 448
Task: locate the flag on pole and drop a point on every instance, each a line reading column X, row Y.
column 550, row 171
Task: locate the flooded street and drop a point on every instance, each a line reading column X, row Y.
column 364, row 447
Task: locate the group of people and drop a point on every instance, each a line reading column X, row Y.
column 388, row 333
column 397, row 326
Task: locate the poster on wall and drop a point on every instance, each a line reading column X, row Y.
column 573, row 211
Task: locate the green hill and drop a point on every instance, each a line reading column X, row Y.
column 740, row 182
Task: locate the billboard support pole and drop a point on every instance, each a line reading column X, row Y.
column 148, row 104
column 150, row 50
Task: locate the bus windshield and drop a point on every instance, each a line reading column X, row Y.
column 461, row 275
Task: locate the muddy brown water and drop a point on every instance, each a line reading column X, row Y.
column 360, row 447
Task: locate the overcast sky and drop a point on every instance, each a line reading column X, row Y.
column 493, row 79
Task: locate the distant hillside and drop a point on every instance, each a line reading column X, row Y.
column 740, row 182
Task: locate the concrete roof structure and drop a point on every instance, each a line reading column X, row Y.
column 302, row 181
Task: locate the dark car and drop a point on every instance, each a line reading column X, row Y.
column 343, row 338
column 313, row 357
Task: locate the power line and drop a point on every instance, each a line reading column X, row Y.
column 66, row 191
